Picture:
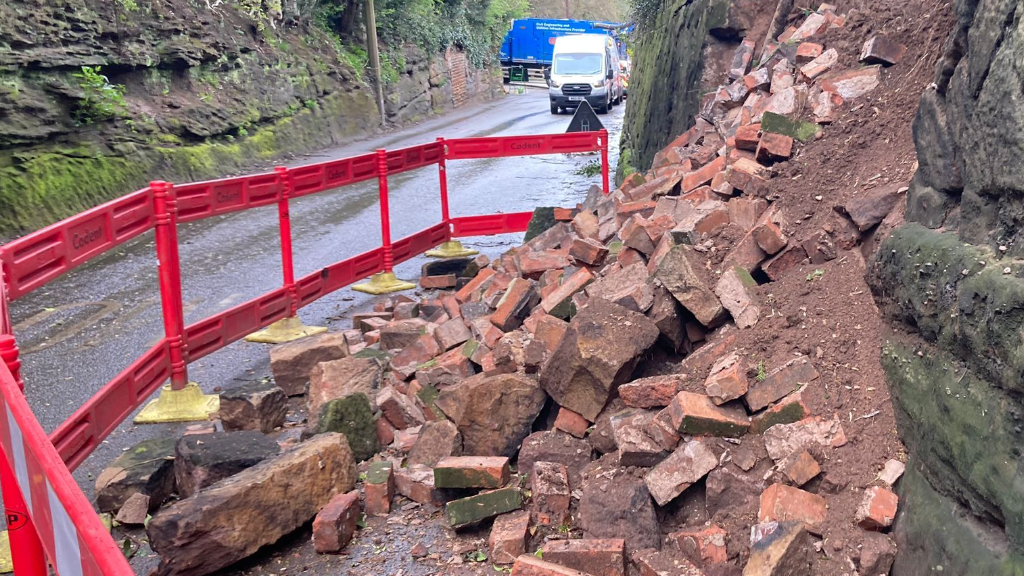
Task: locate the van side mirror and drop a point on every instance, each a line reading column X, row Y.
column 610, row 75
column 547, row 74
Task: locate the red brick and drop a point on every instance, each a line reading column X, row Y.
column 532, row 264
column 881, row 50
column 372, row 323
column 515, row 305
column 465, row 294
column 569, row 286
column 451, row 334
column 563, row 214
column 696, row 414
column 747, row 137
column 781, row 503
column 684, row 467
column 385, row 431
column 852, row 83
column 780, row 382
column 808, row 51
column 632, row 181
column 416, row 482
column 406, row 439
column 744, row 211
column 530, row 565
column 751, row 185
column 720, row 185
column 399, row 409
column 588, row 251
column 585, row 224
column 878, row 509
column 550, row 501
column 703, row 175
column 769, row 236
column 759, row 79
column 372, row 337
column 643, row 208
column 790, row 257
column 438, row 282
column 594, row 556
column 774, row 147
column 451, row 306
column 571, row 423
column 698, row 196
column 790, row 409
column 628, row 257
column 550, row 330
column 379, row 489
column 652, row 392
column 727, row 381
column 704, row 547
column 508, row 537
column 799, row 468
column 820, row 65
column 749, row 167
column 471, row 472
column 335, row 525
column 634, row 234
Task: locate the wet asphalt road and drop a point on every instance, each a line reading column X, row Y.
column 82, row 329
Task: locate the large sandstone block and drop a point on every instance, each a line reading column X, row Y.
column 598, row 352
column 236, row 517
column 204, row 459
column 292, row 363
column 146, row 468
column 256, row 406
column 679, row 273
column 340, row 378
column 493, row 413
column 619, row 506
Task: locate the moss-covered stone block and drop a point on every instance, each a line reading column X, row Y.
column 542, row 219
column 353, row 417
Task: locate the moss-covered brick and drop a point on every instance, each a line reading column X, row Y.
column 779, row 124
column 542, row 219
column 379, row 472
column 468, row 511
column 471, row 472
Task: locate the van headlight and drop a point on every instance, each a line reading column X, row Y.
column 554, row 83
column 598, row 84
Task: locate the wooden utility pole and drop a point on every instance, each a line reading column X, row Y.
column 371, row 44
column 567, row 16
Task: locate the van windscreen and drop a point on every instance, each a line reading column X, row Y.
column 577, row 64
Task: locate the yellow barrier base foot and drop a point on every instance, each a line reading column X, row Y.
column 383, row 283
column 451, row 249
column 284, row 330
column 6, row 564
column 186, row 405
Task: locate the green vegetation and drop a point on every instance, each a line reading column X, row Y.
column 102, row 100
column 590, row 169
column 762, row 371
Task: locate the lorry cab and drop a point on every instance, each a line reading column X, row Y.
column 585, row 67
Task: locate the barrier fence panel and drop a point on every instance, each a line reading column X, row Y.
column 67, row 528
column 33, row 260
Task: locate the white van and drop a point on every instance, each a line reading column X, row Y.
column 584, row 67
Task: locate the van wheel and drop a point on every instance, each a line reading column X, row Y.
column 603, row 109
column 554, row 108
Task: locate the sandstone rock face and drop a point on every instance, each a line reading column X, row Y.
column 493, row 413
column 235, row 518
column 340, row 378
column 597, row 353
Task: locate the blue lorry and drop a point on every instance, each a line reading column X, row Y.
column 528, row 44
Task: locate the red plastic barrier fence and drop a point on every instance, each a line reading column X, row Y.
column 56, row 516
